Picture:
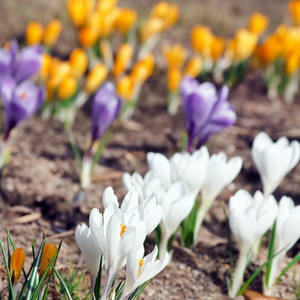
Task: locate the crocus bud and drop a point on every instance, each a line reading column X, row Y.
column 125, row 88
column 143, row 69
column 88, row 36
column 201, row 39
column 258, row 23
column 46, row 66
column 216, row 48
column 174, row 78
column 167, row 12
column 126, row 20
column 95, row 78
column 175, row 55
column 79, row 11
column 193, row 67
column 48, row 253
column 265, row 152
column 34, row 33
column 123, row 58
column 52, row 32
column 78, row 61
column 294, row 8
column 67, row 87
column 292, row 63
column 17, row 261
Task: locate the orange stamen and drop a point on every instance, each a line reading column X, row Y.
column 23, row 95
column 141, row 263
column 123, row 227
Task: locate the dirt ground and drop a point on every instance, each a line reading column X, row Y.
column 39, row 188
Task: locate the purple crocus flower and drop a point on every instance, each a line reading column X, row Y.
column 206, row 111
column 106, row 107
column 19, row 101
column 20, row 65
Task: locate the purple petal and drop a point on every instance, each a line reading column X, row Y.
column 187, row 86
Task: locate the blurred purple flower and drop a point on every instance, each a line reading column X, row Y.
column 206, row 111
column 106, row 107
column 20, row 64
column 19, row 101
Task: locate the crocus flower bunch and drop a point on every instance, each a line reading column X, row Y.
column 206, row 111
column 117, row 236
column 20, row 97
column 177, row 181
column 106, row 107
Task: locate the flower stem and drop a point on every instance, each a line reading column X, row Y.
column 85, row 177
column 239, row 272
column 107, row 285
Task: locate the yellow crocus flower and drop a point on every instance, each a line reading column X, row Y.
column 125, row 86
column 87, row 36
column 175, row 55
column 46, row 66
column 123, row 58
column 78, row 62
column 34, row 33
column 106, row 5
column 109, row 21
column 174, row 79
column 126, row 19
column 258, row 23
column 167, row 12
column 79, row 10
column 49, row 252
column 142, row 69
column 193, row 67
column 95, row 78
column 292, row 63
column 294, row 8
column 17, row 261
column 150, row 28
column 201, row 39
column 67, row 87
column 59, row 70
column 52, row 32
column 216, row 48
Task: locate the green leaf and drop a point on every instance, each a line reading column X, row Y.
column 46, row 292
column 141, row 288
column 188, row 226
column 270, row 254
column 8, row 274
column 63, row 283
column 98, row 281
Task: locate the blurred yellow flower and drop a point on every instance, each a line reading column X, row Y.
column 46, row 66
column 105, row 6
column 123, row 59
column 258, row 23
column 109, row 22
column 126, row 19
column 52, row 32
column 125, row 86
column 201, row 39
column 175, row 55
column 87, row 36
column 216, row 48
column 169, row 13
column 142, row 69
column 17, row 261
column 150, row 28
column 290, row 40
column 67, row 87
column 292, row 62
column 79, row 11
column 78, row 62
column 58, row 70
column 269, row 50
column 174, row 79
column 49, row 252
column 193, row 67
column 294, row 8
column 95, row 78
column 34, row 33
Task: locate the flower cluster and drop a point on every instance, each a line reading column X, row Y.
column 251, row 217
column 118, row 235
column 177, row 181
column 20, row 97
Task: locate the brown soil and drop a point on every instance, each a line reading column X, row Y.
column 41, row 180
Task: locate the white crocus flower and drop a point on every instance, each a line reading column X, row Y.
column 139, row 269
column 90, row 251
column 177, row 203
column 287, row 233
column 115, row 240
column 274, row 160
column 249, row 219
column 219, row 174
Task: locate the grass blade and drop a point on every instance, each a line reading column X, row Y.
column 98, row 281
column 270, row 254
column 63, row 283
column 141, row 289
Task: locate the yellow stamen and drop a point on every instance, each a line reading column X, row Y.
column 141, row 263
column 123, row 227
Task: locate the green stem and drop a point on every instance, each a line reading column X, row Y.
column 74, row 148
